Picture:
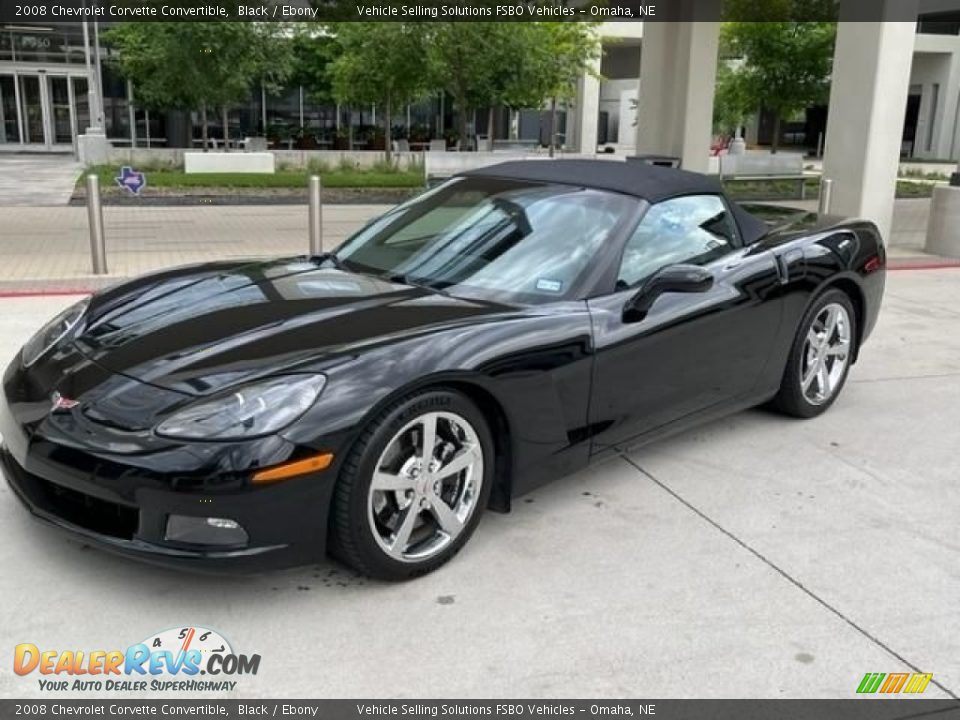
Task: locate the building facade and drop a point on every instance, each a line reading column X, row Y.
column 932, row 130
column 48, row 91
column 932, row 113
column 44, row 87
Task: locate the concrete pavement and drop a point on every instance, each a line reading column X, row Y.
column 49, row 247
column 754, row 557
column 37, row 180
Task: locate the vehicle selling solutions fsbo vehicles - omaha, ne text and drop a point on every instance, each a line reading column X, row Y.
column 498, row 331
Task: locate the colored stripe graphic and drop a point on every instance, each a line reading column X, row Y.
column 870, row 682
column 894, row 683
column 918, row 683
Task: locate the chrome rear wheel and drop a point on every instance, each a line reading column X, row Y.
column 826, row 354
column 823, row 350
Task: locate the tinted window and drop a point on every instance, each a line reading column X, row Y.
column 493, row 236
column 695, row 229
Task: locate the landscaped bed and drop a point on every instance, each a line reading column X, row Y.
column 381, row 184
column 776, row 189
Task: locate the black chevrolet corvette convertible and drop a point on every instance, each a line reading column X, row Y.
column 498, row 331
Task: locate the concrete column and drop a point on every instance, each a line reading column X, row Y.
column 943, row 223
column 951, row 118
column 678, row 71
column 93, row 148
column 871, row 80
column 752, row 133
column 943, row 226
column 582, row 133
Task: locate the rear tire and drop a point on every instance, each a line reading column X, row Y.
column 820, row 357
column 399, row 512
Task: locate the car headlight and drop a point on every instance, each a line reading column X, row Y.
column 251, row 411
column 53, row 332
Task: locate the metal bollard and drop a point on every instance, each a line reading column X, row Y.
column 826, row 188
column 98, row 247
column 316, row 217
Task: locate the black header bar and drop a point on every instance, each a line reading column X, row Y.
column 37, row 12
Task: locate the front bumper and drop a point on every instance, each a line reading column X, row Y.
column 124, row 509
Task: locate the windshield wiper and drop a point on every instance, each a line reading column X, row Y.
column 329, row 257
column 407, row 280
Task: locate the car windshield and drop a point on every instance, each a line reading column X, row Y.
column 491, row 236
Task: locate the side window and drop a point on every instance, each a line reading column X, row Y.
column 694, row 229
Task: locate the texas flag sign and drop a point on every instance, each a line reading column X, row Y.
column 131, row 180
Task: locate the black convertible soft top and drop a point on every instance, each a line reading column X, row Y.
column 650, row 182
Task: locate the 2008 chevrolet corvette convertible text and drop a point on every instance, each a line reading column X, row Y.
column 500, row 330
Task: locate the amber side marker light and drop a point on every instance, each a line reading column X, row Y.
column 292, row 469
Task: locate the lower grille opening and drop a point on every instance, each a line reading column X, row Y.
column 75, row 507
column 90, row 512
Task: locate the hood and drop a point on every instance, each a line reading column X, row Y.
column 198, row 330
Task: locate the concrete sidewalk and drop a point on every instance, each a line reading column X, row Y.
column 49, row 247
column 37, row 180
column 758, row 556
column 43, row 248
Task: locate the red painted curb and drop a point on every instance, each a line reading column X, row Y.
column 945, row 265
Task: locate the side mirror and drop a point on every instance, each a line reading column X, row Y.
column 673, row 278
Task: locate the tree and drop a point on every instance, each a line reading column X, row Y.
column 382, row 63
column 504, row 78
column 199, row 65
column 785, row 65
column 314, row 49
column 730, row 107
column 272, row 54
column 513, row 64
column 559, row 53
column 465, row 59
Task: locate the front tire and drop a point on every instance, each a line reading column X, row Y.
column 413, row 488
column 820, row 357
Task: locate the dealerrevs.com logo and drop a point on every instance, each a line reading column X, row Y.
column 176, row 660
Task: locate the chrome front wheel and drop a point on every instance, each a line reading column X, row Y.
column 425, row 486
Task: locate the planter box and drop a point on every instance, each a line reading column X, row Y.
column 234, row 162
column 783, row 163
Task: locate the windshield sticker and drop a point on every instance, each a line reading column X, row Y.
column 549, row 285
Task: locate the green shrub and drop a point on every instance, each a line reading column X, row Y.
column 384, row 167
column 317, row 166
